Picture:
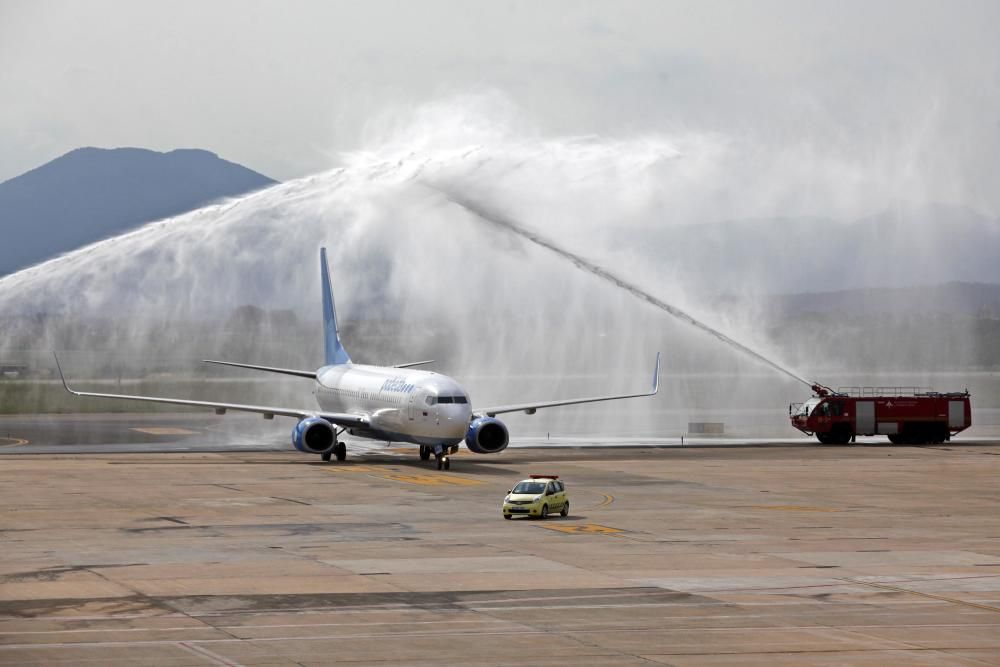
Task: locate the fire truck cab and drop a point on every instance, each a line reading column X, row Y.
column 906, row 415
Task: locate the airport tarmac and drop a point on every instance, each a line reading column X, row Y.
column 237, row 551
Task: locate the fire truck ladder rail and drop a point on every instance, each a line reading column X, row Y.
column 886, row 391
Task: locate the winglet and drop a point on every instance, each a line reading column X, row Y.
column 656, row 374
column 335, row 352
column 61, row 376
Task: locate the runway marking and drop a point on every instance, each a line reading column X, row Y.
column 589, row 528
column 432, row 480
column 203, row 652
column 608, row 499
column 352, row 468
column 163, row 430
column 15, row 442
column 941, row 598
column 793, row 508
column 444, row 479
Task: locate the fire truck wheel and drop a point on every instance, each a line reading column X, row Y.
column 838, row 436
column 841, row 436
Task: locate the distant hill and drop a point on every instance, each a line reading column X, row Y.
column 954, row 326
column 957, row 299
column 92, row 193
column 922, row 245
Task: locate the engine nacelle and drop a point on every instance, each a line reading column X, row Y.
column 486, row 435
column 314, row 435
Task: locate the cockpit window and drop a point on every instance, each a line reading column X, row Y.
column 449, row 399
column 431, row 400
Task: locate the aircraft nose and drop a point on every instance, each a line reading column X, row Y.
column 458, row 413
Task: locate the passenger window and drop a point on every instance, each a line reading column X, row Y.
column 837, row 408
column 825, row 410
column 559, row 487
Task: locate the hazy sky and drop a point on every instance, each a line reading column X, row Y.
column 284, row 87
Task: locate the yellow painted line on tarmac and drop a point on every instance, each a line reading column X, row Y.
column 441, row 479
column 163, row 430
column 445, row 479
column 586, row 528
column 608, row 499
column 793, row 508
column 340, row 467
column 13, row 442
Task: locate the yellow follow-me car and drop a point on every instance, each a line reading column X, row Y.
column 537, row 497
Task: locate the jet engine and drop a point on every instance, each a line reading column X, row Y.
column 486, row 435
column 314, row 435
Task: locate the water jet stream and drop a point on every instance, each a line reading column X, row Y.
column 498, row 219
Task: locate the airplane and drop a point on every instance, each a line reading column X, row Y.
column 389, row 403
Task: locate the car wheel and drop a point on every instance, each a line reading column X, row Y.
column 507, row 516
column 545, row 511
column 565, row 510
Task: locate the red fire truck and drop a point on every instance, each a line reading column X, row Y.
column 907, row 415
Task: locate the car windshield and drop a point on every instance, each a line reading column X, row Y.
column 529, row 487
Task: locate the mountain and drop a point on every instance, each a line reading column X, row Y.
column 977, row 300
column 894, row 248
column 92, row 193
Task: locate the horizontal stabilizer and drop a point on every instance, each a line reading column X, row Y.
column 414, row 363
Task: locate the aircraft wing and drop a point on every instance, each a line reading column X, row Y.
column 530, row 408
column 338, row 418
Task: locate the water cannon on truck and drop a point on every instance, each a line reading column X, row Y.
column 906, row 415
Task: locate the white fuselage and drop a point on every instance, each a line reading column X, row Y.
column 402, row 405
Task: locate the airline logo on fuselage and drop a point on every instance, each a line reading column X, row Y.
column 398, row 385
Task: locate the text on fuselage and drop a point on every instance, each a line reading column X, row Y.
column 398, row 385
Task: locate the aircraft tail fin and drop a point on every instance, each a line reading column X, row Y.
column 334, row 349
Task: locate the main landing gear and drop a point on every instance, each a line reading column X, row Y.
column 440, row 455
column 339, row 450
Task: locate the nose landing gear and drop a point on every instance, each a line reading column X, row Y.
column 441, row 454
